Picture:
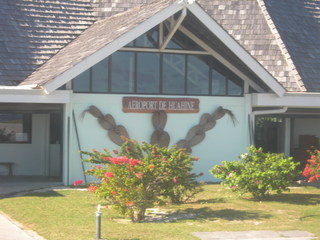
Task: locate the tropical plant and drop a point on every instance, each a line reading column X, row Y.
column 140, row 176
column 258, row 173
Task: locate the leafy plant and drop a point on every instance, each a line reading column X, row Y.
column 257, row 172
column 142, row 175
column 312, row 168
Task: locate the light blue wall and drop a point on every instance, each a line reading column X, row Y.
column 31, row 158
column 224, row 142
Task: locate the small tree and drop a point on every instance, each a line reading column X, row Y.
column 258, row 173
column 140, row 176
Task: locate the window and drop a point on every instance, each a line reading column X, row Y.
column 174, row 74
column 198, row 75
column 15, row 128
column 146, row 70
column 122, row 72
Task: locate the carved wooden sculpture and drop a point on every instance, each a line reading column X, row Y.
column 159, row 119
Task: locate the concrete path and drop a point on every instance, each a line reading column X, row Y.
column 10, row 230
column 255, row 235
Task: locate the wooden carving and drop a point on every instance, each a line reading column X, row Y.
column 159, row 119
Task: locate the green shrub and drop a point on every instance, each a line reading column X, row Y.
column 257, row 172
column 140, row 176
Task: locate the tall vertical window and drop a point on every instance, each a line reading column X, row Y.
column 100, row 76
column 122, row 72
column 198, row 75
column 81, row 83
column 15, row 128
column 174, row 73
column 148, row 72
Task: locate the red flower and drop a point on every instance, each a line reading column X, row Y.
column 99, row 166
column 195, row 159
column 133, row 162
column 311, row 179
column 175, row 179
column 105, row 158
column 129, row 204
column 92, row 188
column 151, row 166
column 77, row 182
column 139, row 175
column 115, row 152
column 119, row 160
column 125, row 190
column 234, row 187
column 307, row 171
column 113, row 193
column 108, row 174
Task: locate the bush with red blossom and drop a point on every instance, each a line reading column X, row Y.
column 139, row 176
column 312, row 168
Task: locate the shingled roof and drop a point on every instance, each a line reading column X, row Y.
column 31, row 32
column 283, row 36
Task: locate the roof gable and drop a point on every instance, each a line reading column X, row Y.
column 108, row 35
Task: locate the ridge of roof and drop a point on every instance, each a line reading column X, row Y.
column 282, row 46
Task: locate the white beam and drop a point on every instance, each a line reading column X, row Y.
column 33, row 96
column 306, row 100
column 174, row 29
column 220, row 58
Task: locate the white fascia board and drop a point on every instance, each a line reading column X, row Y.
column 235, row 47
column 111, row 47
column 304, row 100
column 33, row 96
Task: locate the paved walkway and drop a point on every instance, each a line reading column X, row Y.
column 10, row 230
column 255, row 235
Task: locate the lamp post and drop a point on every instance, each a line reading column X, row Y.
column 98, row 222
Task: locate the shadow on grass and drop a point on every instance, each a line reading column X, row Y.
column 292, row 198
column 212, row 200
column 31, row 194
column 205, row 214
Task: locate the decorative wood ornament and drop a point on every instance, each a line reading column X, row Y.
column 207, row 122
column 107, row 122
column 159, row 136
column 159, row 119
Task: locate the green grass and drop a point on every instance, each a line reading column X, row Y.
column 70, row 214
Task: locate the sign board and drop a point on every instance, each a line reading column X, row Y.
column 151, row 104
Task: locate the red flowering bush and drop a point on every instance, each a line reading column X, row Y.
column 257, row 172
column 312, row 168
column 141, row 176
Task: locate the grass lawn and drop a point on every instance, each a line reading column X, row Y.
column 70, row 214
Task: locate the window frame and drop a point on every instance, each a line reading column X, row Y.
column 26, row 124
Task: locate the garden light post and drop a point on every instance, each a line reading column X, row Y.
column 98, row 222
